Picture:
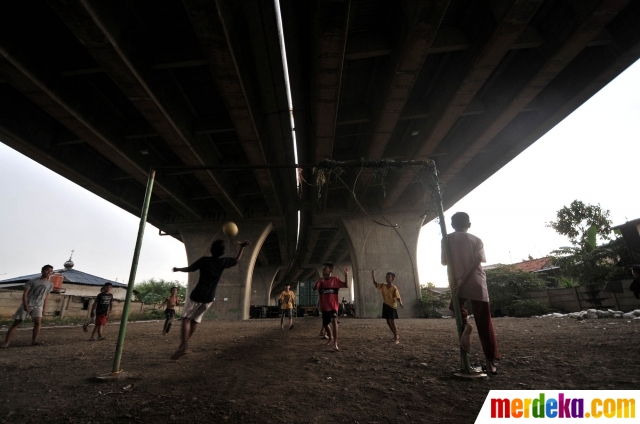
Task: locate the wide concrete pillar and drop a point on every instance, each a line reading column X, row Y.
column 233, row 295
column 262, row 281
column 374, row 246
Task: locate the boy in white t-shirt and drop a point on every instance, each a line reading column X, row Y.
column 34, row 303
column 467, row 254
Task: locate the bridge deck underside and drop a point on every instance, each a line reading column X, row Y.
column 102, row 91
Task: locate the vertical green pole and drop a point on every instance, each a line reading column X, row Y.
column 452, row 281
column 132, row 275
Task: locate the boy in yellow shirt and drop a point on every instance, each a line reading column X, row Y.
column 287, row 302
column 391, row 298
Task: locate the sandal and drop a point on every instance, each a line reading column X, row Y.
column 484, row 370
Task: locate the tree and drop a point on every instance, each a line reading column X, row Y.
column 582, row 224
column 155, row 291
column 508, row 285
column 586, row 261
column 431, row 301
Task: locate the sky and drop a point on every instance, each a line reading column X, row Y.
column 590, row 156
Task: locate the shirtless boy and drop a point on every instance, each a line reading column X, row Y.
column 172, row 301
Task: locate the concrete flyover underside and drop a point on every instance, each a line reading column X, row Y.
column 102, row 91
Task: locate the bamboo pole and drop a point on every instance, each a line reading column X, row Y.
column 464, row 357
column 132, row 275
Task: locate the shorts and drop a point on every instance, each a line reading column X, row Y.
column 21, row 314
column 388, row 312
column 195, row 310
column 169, row 313
column 327, row 316
column 101, row 320
column 287, row 312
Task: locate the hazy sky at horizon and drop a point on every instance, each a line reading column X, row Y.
column 590, row 156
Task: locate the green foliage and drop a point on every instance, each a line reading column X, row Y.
column 593, row 266
column 431, row 302
column 582, row 223
column 585, row 261
column 508, row 285
column 149, row 291
column 567, row 282
column 528, row 308
column 153, row 298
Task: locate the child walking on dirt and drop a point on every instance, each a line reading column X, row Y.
column 172, row 301
column 201, row 298
column 287, row 303
column 101, row 308
column 328, row 287
column 467, row 253
column 92, row 316
column 34, row 304
column 390, row 299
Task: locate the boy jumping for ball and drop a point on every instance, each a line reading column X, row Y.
column 467, row 254
column 328, row 287
column 390, row 298
column 201, row 298
column 172, row 301
column 34, row 303
column 101, row 308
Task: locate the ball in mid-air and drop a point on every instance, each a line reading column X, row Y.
column 230, row 229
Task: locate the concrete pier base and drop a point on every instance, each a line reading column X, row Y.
column 374, row 246
column 233, row 296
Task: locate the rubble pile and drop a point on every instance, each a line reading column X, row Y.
column 596, row 313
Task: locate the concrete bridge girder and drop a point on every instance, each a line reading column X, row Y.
column 384, row 248
column 234, row 292
column 261, row 284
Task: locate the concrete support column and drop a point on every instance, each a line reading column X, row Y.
column 233, row 295
column 262, row 281
column 374, row 246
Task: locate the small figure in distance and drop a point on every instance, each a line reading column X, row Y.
column 171, row 301
column 202, row 295
column 328, row 287
column 92, row 315
column 467, row 254
column 101, row 308
column 635, row 284
column 34, row 303
column 390, row 299
column 287, row 303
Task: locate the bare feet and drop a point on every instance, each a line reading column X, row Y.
column 180, row 353
column 101, row 339
column 329, row 340
column 92, row 339
column 35, row 343
column 465, row 339
column 335, row 346
column 396, row 341
column 5, row 345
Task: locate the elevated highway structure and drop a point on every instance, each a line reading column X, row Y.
column 101, row 91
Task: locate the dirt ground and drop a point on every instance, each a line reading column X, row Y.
column 254, row 372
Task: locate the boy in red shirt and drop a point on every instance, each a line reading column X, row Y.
column 328, row 287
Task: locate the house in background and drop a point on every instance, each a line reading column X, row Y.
column 543, row 267
column 630, row 231
column 79, row 287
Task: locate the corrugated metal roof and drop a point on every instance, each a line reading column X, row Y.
column 70, row 276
